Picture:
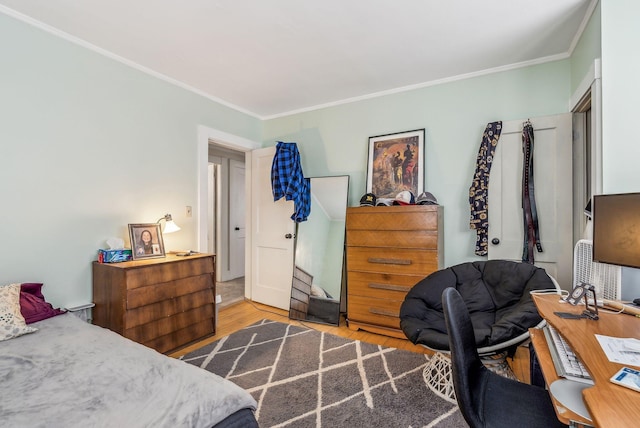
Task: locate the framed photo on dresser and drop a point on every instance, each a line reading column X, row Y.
column 146, row 240
column 396, row 163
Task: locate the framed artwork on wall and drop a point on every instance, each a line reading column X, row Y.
column 396, row 163
column 146, row 240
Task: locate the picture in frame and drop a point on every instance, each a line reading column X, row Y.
column 396, row 163
column 146, row 241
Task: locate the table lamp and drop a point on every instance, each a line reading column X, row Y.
column 170, row 226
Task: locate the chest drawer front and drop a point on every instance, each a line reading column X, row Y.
column 416, row 217
column 182, row 337
column 381, row 285
column 374, row 311
column 385, row 260
column 146, row 332
column 142, row 276
column 167, row 308
column 157, row 292
column 422, row 239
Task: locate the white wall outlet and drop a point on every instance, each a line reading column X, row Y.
column 188, row 211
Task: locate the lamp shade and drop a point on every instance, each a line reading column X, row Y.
column 170, row 226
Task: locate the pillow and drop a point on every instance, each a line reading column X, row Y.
column 318, row 291
column 33, row 305
column 12, row 322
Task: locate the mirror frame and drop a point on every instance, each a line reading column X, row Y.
column 303, row 305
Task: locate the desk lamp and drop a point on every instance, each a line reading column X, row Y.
column 170, row 226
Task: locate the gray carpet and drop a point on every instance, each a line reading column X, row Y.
column 304, row 378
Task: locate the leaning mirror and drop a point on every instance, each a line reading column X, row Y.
column 319, row 253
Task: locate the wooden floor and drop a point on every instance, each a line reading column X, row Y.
column 239, row 315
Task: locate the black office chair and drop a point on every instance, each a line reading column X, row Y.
column 487, row 399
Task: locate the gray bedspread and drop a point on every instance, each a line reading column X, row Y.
column 72, row 374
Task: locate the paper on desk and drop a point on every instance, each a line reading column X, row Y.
column 621, row 350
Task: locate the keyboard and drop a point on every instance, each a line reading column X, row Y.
column 565, row 361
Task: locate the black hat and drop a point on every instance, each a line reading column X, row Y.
column 426, row 198
column 368, row 200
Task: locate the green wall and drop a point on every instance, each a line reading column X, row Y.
column 89, row 145
column 334, row 141
column 588, row 48
column 620, row 95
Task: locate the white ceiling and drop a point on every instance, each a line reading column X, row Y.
column 273, row 57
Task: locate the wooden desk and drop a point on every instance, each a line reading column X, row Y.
column 610, row 405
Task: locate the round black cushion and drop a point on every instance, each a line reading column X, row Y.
column 497, row 295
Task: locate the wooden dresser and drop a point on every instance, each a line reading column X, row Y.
column 389, row 249
column 163, row 303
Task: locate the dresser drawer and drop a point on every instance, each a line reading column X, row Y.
column 167, row 308
column 415, row 217
column 422, row 239
column 146, row 332
column 182, row 337
column 381, row 285
column 396, row 260
column 370, row 310
column 144, row 275
column 168, row 290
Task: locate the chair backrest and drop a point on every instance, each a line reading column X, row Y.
column 468, row 371
column 605, row 277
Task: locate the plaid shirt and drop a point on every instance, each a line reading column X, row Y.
column 287, row 180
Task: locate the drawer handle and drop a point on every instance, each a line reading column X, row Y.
column 390, row 287
column 384, row 312
column 389, row 261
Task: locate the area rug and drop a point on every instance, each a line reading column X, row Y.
column 301, row 377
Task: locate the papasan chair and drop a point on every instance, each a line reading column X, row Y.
column 497, row 294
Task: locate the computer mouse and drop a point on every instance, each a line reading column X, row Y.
column 636, row 301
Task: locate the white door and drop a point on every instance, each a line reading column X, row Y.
column 273, row 230
column 236, row 223
column 553, row 192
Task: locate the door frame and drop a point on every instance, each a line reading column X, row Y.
column 589, row 87
column 206, row 136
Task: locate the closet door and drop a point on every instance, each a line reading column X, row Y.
column 553, row 192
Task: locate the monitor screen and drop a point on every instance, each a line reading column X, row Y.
column 616, row 229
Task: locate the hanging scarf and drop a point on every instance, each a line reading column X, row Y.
column 479, row 191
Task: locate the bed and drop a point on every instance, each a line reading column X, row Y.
column 62, row 371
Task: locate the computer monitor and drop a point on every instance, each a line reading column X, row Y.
column 616, row 229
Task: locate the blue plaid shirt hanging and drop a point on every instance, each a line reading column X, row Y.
column 287, row 180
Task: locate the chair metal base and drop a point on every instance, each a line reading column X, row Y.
column 439, row 379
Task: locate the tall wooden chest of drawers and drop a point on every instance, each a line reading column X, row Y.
column 389, row 249
column 163, row 303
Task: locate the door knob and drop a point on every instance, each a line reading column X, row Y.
column 237, row 228
column 288, row 236
column 495, row 241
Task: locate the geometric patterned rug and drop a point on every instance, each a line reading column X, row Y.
column 302, row 377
